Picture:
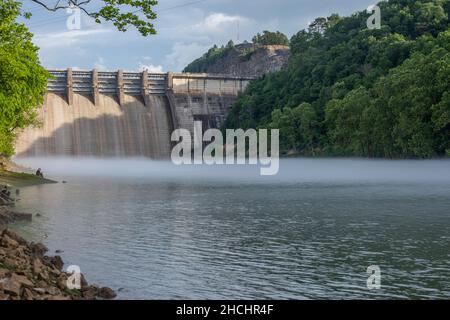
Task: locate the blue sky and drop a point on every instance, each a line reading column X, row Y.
column 186, row 29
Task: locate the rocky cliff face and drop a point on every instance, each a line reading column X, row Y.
column 251, row 60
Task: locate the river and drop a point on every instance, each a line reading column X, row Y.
column 155, row 231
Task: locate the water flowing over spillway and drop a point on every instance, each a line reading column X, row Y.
column 124, row 114
column 106, row 129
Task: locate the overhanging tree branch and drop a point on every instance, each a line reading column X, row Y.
column 57, row 6
column 139, row 14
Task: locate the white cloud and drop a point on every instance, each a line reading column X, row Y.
column 151, row 68
column 213, row 27
column 217, row 20
column 67, row 38
column 222, row 27
column 194, row 37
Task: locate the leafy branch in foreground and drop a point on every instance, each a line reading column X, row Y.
column 122, row 13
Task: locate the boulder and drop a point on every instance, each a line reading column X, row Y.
column 28, row 294
column 24, row 281
column 39, row 291
column 4, row 273
column 38, row 249
column 62, row 283
column 44, row 276
column 16, row 237
column 4, row 296
column 107, row 293
column 55, row 261
column 8, row 242
column 84, row 283
column 53, row 291
column 12, row 287
column 10, row 262
column 90, row 293
column 59, row 298
column 37, row 266
column 55, row 272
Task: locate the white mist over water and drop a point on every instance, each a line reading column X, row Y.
column 197, row 232
column 302, row 170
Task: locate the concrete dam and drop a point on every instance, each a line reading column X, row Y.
column 125, row 114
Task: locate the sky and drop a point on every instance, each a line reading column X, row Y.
column 186, row 29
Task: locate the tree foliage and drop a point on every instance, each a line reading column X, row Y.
column 122, row 13
column 271, row 38
column 353, row 91
column 22, row 80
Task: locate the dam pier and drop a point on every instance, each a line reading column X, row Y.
column 125, row 114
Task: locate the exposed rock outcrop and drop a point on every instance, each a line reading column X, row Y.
column 251, row 60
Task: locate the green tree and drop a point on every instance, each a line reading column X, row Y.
column 282, row 120
column 416, row 94
column 430, row 17
column 300, row 42
column 22, row 80
column 271, row 38
column 318, row 26
column 298, row 127
column 306, row 126
column 344, row 119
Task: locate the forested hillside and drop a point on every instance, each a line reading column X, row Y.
column 351, row 91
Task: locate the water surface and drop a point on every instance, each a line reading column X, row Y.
column 156, row 231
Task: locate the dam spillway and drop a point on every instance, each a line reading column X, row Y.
column 124, row 114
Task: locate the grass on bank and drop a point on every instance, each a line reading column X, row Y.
column 16, row 179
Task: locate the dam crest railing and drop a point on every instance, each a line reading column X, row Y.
column 121, row 83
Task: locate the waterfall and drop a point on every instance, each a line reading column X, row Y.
column 105, row 129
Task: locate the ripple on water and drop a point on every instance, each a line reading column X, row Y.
column 161, row 239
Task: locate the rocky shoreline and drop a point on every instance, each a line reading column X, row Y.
column 27, row 273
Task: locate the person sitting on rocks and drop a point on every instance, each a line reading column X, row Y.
column 39, row 173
